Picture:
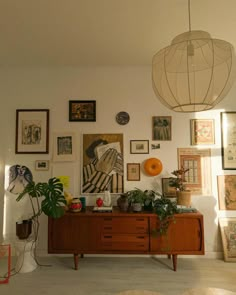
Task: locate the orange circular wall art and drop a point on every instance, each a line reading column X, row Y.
column 153, row 166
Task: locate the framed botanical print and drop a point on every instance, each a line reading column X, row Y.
column 228, row 235
column 32, row 131
column 202, row 131
column 228, row 140
column 227, row 192
column 133, row 171
column 82, row 110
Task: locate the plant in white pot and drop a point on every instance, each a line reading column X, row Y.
column 179, row 182
column 44, row 197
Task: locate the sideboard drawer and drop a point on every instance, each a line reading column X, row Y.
column 122, row 242
column 125, row 225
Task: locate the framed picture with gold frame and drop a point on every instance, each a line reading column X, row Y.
column 202, row 131
column 228, row 235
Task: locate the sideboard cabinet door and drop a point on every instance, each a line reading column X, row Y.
column 72, row 234
column 185, row 235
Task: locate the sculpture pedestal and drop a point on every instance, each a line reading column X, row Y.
column 25, row 255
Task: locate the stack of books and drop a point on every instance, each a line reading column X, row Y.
column 102, row 209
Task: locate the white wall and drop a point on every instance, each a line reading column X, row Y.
column 114, row 89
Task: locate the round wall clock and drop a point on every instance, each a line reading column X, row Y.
column 122, row 118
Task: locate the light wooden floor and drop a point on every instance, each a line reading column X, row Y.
column 111, row 275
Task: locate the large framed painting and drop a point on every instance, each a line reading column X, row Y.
column 32, row 131
column 227, row 192
column 103, row 164
column 228, row 235
column 202, row 131
column 228, row 140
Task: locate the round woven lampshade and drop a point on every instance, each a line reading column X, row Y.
column 194, row 73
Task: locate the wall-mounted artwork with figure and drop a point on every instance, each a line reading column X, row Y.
column 19, row 177
column 103, row 165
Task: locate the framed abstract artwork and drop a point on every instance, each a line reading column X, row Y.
column 32, row 131
column 82, row 110
column 228, row 140
column 228, row 235
column 202, row 131
column 133, row 171
column 64, row 147
column 227, row 192
column 103, row 164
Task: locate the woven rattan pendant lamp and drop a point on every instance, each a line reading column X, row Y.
column 194, row 73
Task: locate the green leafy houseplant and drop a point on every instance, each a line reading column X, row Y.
column 144, row 198
column 165, row 210
column 179, row 180
column 52, row 203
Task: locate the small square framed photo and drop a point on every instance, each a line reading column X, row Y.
column 133, row 171
column 139, row 146
column 202, row 131
column 167, row 190
column 82, row 111
column 161, row 128
column 41, row 165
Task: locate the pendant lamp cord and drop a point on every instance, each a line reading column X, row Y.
column 189, row 16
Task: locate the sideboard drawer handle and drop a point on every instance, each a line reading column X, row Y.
column 140, row 227
column 108, row 218
column 139, row 219
column 140, row 237
column 107, row 227
column 107, row 237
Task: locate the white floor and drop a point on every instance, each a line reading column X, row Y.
column 111, row 275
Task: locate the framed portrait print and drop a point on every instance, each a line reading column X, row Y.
column 103, row 163
column 64, row 147
column 41, row 165
column 161, row 128
column 167, row 190
column 133, row 171
column 228, row 140
column 139, row 146
column 228, row 235
column 32, row 131
column 82, row 110
column 202, row 131
column 227, row 192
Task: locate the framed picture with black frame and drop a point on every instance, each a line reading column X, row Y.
column 32, row 131
column 139, row 146
column 82, row 111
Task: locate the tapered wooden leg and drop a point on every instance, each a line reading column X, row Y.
column 76, row 260
column 81, row 255
column 174, row 259
column 169, row 256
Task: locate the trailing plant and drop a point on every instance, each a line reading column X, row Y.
column 165, row 210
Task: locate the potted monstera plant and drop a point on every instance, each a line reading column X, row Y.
column 44, row 197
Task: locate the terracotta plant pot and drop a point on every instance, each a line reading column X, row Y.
column 184, row 198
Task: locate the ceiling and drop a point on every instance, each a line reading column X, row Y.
column 103, row 32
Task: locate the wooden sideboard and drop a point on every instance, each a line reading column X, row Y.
column 124, row 233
